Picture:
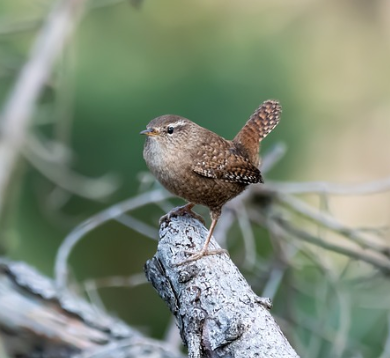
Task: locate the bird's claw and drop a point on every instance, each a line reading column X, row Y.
column 180, row 211
column 197, row 255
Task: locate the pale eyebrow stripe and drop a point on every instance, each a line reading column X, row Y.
column 178, row 123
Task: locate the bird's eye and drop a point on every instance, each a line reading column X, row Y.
column 170, row 130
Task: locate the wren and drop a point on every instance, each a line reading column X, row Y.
column 202, row 167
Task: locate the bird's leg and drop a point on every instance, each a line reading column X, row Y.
column 204, row 251
column 180, row 211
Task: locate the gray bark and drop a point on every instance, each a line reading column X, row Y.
column 217, row 312
column 35, row 322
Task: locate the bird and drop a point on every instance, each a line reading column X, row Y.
column 204, row 168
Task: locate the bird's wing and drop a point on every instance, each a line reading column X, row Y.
column 224, row 163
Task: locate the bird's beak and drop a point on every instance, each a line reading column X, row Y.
column 149, row 132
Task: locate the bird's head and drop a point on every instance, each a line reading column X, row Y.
column 169, row 130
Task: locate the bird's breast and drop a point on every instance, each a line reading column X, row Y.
column 168, row 167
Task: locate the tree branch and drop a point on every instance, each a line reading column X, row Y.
column 36, row 322
column 217, row 312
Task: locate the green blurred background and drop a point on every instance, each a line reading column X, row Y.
column 328, row 62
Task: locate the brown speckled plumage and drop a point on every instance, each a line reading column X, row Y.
column 201, row 166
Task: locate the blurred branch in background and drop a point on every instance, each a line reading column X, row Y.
column 16, row 115
column 113, row 212
column 369, row 248
column 36, row 322
column 51, row 159
column 318, row 188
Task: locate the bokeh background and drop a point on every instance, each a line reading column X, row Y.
column 328, row 62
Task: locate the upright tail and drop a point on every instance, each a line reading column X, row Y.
column 262, row 122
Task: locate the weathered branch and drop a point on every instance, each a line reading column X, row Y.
column 217, row 312
column 36, row 322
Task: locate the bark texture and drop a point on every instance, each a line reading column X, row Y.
column 217, row 312
column 37, row 323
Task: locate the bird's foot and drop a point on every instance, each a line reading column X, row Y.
column 197, row 255
column 180, row 211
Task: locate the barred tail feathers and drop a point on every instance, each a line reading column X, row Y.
column 259, row 125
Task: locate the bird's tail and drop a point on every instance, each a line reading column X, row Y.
column 259, row 125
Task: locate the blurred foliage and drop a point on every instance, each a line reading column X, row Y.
column 213, row 62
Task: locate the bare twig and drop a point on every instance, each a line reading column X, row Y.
column 278, row 270
column 319, row 187
column 284, row 228
column 248, row 237
column 330, row 223
column 75, row 183
column 138, row 225
column 60, row 269
column 272, row 157
column 92, row 287
column 115, row 281
column 18, row 109
column 377, row 261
